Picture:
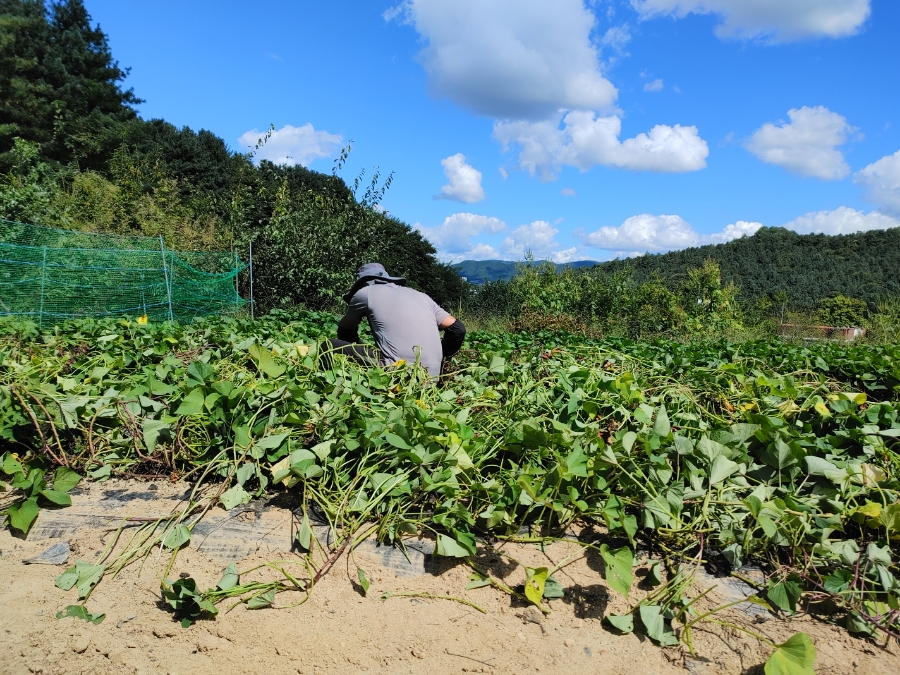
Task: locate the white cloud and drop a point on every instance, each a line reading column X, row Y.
column 453, row 237
column 463, row 181
column 510, row 58
column 842, row 220
column 539, row 237
column 655, row 85
column 292, row 145
column 881, row 181
column 646, row 233
column 586, row 140
column 741, row 228
column 567, row 192
column 807, row 145
column 616, row 38
column 777, row 20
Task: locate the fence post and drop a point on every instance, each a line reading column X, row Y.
column 252, row 313
column 162, row 248
column 237, row 264
column 43, row 274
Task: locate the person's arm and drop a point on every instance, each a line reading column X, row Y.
column 348, row 326
column 454, row 334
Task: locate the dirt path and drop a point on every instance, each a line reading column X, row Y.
column 341, row 631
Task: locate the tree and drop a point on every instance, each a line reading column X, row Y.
column 59, row 85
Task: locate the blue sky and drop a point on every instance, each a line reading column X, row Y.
column 577, row 129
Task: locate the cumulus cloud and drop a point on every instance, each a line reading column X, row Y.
column 453, row 237
column 539, row 237
column 567, row 192
column 881, row 181
column 655, row 85
column 463, row 181
column 292, row 145
column 842, row 220
column 775, row 20
column 646, row 233
column 807, row 145
column 586, row 140
column 522, row 59
column 741, row 228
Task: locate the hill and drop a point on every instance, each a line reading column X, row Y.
column 808, row 268
column 481, row 271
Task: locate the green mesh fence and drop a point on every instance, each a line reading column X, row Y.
column 52, row 275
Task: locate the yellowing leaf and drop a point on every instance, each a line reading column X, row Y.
column 536, row 577
column 822, row 409
column 795, row 657
column 870, row 510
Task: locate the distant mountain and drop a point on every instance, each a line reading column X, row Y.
column 482, row 271
column 807, row 267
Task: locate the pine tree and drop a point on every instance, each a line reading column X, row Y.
column 59, row 84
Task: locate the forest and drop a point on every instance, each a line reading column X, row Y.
column 75, row 154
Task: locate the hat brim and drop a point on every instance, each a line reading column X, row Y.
column 363, row 280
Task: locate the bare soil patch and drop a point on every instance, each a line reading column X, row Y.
column 339, row 630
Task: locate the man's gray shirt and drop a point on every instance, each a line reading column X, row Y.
column 404, row 323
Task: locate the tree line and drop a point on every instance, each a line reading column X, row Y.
column 75, row 154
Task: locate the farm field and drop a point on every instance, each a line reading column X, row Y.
column 575, row 490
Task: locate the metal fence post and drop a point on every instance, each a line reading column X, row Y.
column 43, row 275
column 237, row 264
column 252, row 312
column 162, row 248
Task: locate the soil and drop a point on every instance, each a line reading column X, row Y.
column 341, row 630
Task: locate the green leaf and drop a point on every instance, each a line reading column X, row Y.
column 153, row 430
column 65, row 479
column 199, row 373
column 535, row 578
column 654, row 577
column 305, row 534
column 21, row 516
column 234, row 496
column 656, row 625
column 80, row 612
column 621, row 622
column 477, row 580
column 11, row 465
column 192, row 404
column 177, row 537
column 265, row 362
column 83, row 575
column 397, row 442
column 879, row 555
column 447, row 546
column 838, row 581
column 245, row 472
column 67, row 579
column 661, row 426
column 230, row 578
column 797, row 656
column 58, row 498
column 262, row 600
column 363, row 581
column 618, row 565
column 553, row 590
column 784, row 595
column 721, row 468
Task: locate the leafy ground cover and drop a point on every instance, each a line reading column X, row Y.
column 771, row 453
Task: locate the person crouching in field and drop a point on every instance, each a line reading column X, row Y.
column 405, row 323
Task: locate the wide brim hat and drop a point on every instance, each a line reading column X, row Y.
column 371, row 272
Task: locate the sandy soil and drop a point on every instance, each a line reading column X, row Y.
column 339, row 630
